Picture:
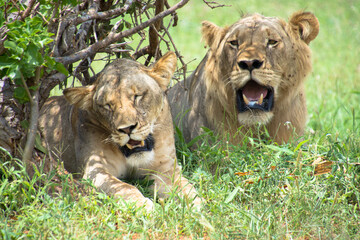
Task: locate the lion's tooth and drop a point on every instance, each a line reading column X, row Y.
column 129, row 146
column 260, row 101
column 246, row 100
column 142, row 143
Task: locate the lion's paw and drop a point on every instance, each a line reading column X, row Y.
column 146, row 203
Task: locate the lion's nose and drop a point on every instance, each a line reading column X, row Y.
column 250, row 64
column 127, row 129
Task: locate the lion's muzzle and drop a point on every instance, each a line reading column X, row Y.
column 133, row 146
column 254, row 96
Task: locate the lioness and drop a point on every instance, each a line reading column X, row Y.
column 253, row 74
column 119, row 127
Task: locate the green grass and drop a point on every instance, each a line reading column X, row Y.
column 280, row 198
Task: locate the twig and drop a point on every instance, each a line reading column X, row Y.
column 43, row 18
column 100, row 15
column 55, row 51
column 94, row 31
column 177, row 53
column 113, row 37
column 213, row 4
column 117, row 25
column 141, row 52
column 175, row 16
column 26, row 88
column 16, row 6
column 56, row 9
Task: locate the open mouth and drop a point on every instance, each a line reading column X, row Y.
column 254, row 96
column 133, row 146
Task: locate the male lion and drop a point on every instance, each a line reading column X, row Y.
column 253, row 74
column 119, row 127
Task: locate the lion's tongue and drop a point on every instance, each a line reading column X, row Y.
column 253, row 91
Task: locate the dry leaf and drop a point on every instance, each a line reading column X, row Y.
column 322, row 167
column 243, row 173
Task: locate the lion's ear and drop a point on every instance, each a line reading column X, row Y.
column 80, row 96
column 306, row 25
column 212, row 34
column 163, row 70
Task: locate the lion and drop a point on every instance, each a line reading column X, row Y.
column 253, row 75
column 120, row 127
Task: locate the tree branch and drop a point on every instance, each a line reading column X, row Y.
column 34, row 115
column 153, row 33
column 100, row 15
column 113, row 37
column 27, row 11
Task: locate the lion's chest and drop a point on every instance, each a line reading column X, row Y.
column 121, row 167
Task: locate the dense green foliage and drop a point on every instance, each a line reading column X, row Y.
column 259, row 190
column 27, row 49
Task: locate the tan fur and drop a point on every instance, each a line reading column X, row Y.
column 283, row 60
column 87, row 126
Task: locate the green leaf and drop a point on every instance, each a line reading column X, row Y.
column 60, row 68
column 194, row 140
column 34, row 87
column 179, row 133
column 21, row 95
column 231, row 196
column 2, row 18
column 14, row 71
column 280, row 149
column 34, row 55
column 45, row 41
column 13, row 47
column 300, row 144
column 49, row 62
column 3, row 150
column 25, row 124
column 5, row 62
column 38, row 144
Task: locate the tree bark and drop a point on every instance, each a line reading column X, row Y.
column 10, row 117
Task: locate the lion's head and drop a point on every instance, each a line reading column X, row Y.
column 125, row 101
column 257, row 65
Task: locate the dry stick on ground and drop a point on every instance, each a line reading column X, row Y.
column 113, row 37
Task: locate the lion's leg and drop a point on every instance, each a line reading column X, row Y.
column 173, row 180
column 106, row 182
column 290, row 120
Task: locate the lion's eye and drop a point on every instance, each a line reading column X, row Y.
column 137, row 99
column 234, row 43
column 272, row 43
column 107, row 107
